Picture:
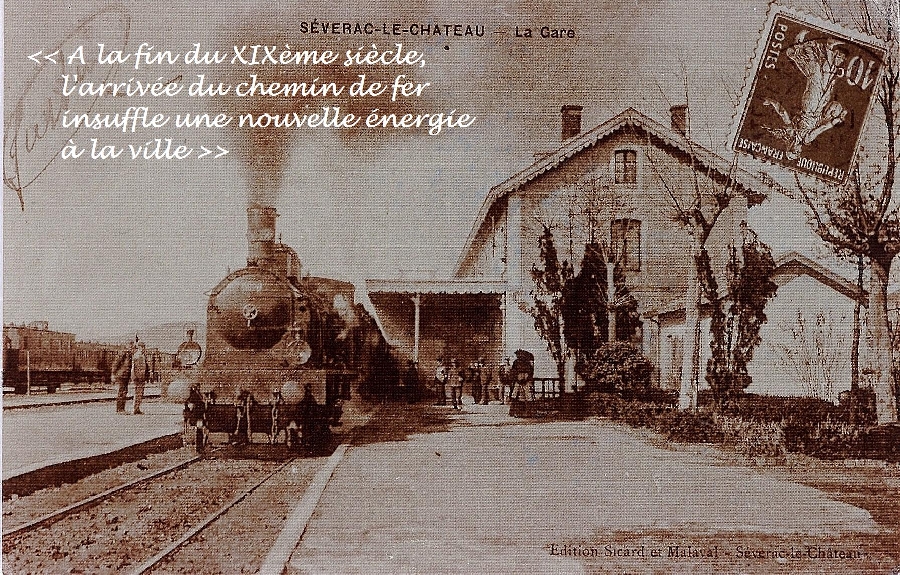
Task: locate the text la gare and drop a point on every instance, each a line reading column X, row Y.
column 546, row 32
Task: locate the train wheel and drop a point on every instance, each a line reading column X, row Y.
column 200, row 438
column 291, row 437
column 316, row 435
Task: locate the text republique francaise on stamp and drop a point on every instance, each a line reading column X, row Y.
column 811, row 89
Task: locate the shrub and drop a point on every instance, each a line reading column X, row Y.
column 763, row 426
column 689, row 427
column 774, row 409
column 609, row 405
column 752, row 438
column 617, row 367
column 641, row 414
column 859, row 406
column 882, row 442
column 832, row 440
column 666, row 397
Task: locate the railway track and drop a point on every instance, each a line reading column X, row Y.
column 228, row 513
column 149, row 565
column 78, row 529
column 78, row 506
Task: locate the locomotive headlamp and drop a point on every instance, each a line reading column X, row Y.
column 299, row 351
column 189, row 352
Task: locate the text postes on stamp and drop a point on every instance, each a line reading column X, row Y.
column 811, row 89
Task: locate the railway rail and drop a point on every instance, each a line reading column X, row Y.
column 93, row 500
column 247, row 505
column 65, row 398
column 150, row 564
column 167, row 537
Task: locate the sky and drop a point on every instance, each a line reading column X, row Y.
column 108, row 246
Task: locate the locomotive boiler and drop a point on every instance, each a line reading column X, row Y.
column 275, row 363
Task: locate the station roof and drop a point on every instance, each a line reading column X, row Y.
column 434, row 287
column 394, row 296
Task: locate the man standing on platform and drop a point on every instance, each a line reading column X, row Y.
column 411, row 381
column 121, row 374
column 457, row 377
column 475, row 376
column 441, row 376
column 140, row 373
column 504, row 376
column 484, row 373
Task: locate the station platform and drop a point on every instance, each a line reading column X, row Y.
column 489, row 493
column 62, row 427
column 68, row 397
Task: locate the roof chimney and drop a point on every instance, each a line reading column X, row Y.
column 680, row 119
column 571, row 121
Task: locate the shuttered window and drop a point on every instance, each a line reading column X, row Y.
column 626, row 167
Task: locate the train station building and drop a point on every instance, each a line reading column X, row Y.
column 618, row 185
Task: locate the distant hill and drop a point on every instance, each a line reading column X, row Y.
column 164, row 336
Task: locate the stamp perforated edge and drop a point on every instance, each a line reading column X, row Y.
column 750, row 77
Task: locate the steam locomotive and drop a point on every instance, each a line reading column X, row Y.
column 279, row 352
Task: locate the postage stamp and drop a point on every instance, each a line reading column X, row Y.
column 811, row 90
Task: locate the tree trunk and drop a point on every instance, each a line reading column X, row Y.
column 610, row 302
column 564, row 352
column 568, row 384
column 854, row 350
column 690, row 371
column 881, row 353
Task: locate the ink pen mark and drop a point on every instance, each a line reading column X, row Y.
column 34, row 138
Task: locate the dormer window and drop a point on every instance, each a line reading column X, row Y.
column 626, row 167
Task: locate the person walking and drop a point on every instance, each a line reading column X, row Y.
column 121, row 374
column 504, row 376
column 140, row 373
column 523, row 375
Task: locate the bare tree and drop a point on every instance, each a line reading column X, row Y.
column 813, row 356
column 860, row 217
column 857, row 327
column 697, row 202
column 600, row 206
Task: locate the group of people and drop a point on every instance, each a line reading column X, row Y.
column 454, row 376
column 513, row 380
column 132, row 366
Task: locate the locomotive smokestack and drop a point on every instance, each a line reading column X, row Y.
column 260, row 234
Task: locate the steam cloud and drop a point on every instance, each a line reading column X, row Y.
column 264, row 151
